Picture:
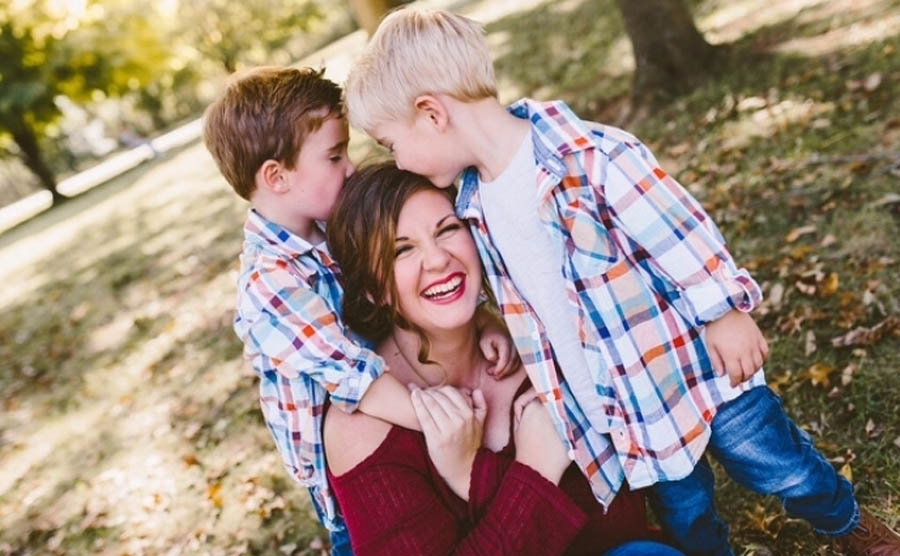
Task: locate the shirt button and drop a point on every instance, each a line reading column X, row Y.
column 571, row 454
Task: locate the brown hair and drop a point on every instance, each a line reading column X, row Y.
column 361, row 233
column 264, row 114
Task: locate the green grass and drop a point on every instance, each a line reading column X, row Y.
column 129, row 422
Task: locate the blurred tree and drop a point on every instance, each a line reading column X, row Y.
column 368, row 13
column 230, row 32
column 86, row 52
column 671, row 56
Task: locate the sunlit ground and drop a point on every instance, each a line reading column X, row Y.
column 129, row 421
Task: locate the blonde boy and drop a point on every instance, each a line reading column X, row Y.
column 606, row 268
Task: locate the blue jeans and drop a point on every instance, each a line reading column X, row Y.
column 763, row 450
column 339, row 536
column 643, row 548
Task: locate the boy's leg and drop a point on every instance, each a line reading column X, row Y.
column 687, row 512
column 763, row 450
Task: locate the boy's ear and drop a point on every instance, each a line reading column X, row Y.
column 431, row 107
column 270, row 176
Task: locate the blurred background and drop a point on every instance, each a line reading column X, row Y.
column 129, row 422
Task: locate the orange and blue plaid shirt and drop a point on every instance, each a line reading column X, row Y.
column 288, row 317
column 646, row 269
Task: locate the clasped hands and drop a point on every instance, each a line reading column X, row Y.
column 453, row 420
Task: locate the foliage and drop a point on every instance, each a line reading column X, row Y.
column 235, row 33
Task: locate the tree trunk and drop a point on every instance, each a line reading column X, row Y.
column 33, row 157
column 368, row 13
column 671, row 56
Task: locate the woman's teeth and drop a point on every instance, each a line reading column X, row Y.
column 445, row 288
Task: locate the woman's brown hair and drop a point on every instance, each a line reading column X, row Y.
column 361, row 233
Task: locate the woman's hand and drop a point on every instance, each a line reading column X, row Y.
column 537, row 443
column 453, row 425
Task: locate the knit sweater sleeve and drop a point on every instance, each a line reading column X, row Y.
column 392, row 507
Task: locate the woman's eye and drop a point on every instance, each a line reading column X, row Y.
column 401, row 249
column 449, row 229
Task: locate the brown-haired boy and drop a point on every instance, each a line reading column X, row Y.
column 279, row 136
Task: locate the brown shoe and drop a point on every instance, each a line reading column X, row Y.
column 870, row 538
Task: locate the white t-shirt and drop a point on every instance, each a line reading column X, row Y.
column 534, row 261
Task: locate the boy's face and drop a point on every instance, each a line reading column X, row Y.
column 419, row 147
column 320, row 170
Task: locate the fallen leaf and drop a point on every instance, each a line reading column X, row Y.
column 831, row 285
column 847, row 374
column 872, row 82
column 810, row 344
column 828, row 241
column 214, row 493
column 819, row 373
column 863, row 336
column 870, row 426
column 776, row 294
column 888, row 199
column 806, row 289
column 191, row 460
column 796, row 233
column 847, row 472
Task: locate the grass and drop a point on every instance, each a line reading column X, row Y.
column 130, row 423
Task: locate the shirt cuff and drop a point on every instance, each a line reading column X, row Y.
column 713, row 298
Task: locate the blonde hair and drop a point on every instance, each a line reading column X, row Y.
column 414, row 52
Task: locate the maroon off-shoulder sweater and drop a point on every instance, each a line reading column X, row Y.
column 395, row 502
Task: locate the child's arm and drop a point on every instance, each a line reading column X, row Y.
column 300, row 334
column 495, row 342
column 682, row 242
column 675, row 235
column 390, row 401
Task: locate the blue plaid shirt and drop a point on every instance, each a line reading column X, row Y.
column 288, row 316
column 646, row 269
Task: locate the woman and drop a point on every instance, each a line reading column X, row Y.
column 488, row 474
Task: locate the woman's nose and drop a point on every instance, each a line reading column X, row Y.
column 435, row 257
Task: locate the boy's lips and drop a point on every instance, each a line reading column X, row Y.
column 447, row 290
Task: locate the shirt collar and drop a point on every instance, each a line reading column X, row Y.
column 556, row 131
column 260, row 231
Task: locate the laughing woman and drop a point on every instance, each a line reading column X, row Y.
column 488, row 474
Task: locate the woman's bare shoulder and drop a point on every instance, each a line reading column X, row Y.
column 351, row 438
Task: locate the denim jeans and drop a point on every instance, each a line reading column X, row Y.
column 763, row 450
column 643, row 548
column 339, row 537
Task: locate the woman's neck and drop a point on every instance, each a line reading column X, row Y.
column 457, row 361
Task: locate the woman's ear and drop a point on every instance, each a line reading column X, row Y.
column 270, row 176
column 431, row 107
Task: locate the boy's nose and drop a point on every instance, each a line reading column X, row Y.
column 350, row 169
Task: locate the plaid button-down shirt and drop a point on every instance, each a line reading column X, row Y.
column 288, row 317
column 646, row 269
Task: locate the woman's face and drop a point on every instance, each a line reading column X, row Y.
column 436, row 267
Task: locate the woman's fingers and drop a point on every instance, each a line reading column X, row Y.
column 455, row 397
column 479, row 405
column 429, row 427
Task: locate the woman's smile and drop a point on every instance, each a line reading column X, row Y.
column 447, row 290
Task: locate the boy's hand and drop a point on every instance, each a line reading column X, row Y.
column 453, row 426
column 537, row 443
column 498, row 348
column 736, row 346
